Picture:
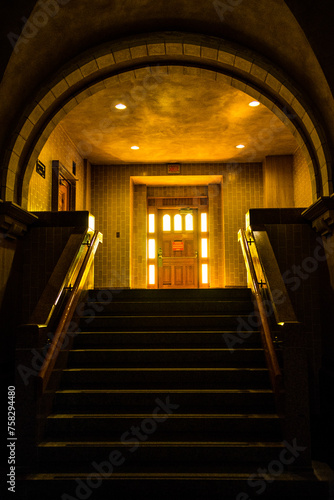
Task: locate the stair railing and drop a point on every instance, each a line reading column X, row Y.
column 79, row 272
column 257, row 281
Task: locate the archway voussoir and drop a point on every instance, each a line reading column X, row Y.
column 122, row 55
column 156, row 49
column 253, row 93
column 19, row 145
column 273, row 83
column 242, row 64
column 36, row 114
column 89, row 68
column 227, row 58
column 60, row 88
column 192, row 50
column 192, row 71
column 26, row 129
column 58, row 117
column 74, row 77
column 47, row 100
column 224, row 78
column 97, row 87
column 259, row 73
column 83, row 95
column 317, row 141
column 309, row 125
column 286, row 94
column 238, row 85
column 70, row 105
column 210, row 75
column 298, row 108
column 209, row 53
column 267, row 102
column 13, row 161
column 139, row 51
column 112, row 81
column 174, row 49
column 105, row 61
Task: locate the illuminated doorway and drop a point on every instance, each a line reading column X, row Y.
column 178, row 246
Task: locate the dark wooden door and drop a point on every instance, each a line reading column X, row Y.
column 177, row 249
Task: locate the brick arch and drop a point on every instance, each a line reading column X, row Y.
column 209, row 58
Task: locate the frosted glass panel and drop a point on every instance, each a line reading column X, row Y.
column 204, row 242
column 204, row 222
column 151, row 274
column 177, row 222
column 166, row 222
column 151, row 223
column 151, row 249
column 189, row 222
column 204, row 274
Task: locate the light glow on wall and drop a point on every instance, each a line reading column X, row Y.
column 204, row 243
column 204, row 222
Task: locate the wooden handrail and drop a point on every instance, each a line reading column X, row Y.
column 61, row 330
column 271, row 358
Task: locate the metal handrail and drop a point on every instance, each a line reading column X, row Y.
column 271, row 357
column 61, row 330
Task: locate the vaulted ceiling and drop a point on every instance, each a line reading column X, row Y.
column 177, row 117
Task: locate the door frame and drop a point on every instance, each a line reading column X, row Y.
column 200, row 204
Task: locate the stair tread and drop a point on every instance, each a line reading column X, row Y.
column 164, row 391
column 119, row 369
column 171, row 416
column 164, row 444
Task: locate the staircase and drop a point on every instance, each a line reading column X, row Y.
column 153, row 403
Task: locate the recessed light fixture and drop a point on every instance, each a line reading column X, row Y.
column 240, row 146
column 120, row 106
column 253, row 104
column 134, row 147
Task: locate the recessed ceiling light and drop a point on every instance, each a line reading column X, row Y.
column 240, row 146
column 253, row 104
column 120, row 106
column 134, row 147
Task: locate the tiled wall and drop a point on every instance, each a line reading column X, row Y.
column 59, row 147
column 301, row 181
column 243, row 189
column 111, row 194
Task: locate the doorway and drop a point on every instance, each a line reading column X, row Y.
column 178, row 245
column 177, row 248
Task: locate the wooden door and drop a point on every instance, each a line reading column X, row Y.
column 177, row 249
column 63, row 196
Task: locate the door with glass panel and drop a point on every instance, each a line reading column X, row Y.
column 177, row 248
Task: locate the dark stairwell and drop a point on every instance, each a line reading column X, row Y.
column 165, row 394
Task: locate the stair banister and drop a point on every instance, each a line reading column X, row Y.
column 271, row 358
column 61, row 330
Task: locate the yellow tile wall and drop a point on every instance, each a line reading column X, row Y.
column 301, row 181
column 59, row 147
column 111, row 194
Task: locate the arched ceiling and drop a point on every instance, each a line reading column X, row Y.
column 175, row 117
column 265, row 26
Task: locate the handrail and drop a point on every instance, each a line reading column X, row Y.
column 60, row 280
column 61, row 330
column 271, row 358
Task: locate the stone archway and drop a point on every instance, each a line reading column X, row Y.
column 212, row 58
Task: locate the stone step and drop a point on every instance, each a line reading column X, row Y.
column 163, row 307
column 176, row 295
column 205, row 400
column 133, row 450
column 105, row 481
column 167, row 322
column 178, row 338
column 190, row 357
column 175, row 426
column 159, row 378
